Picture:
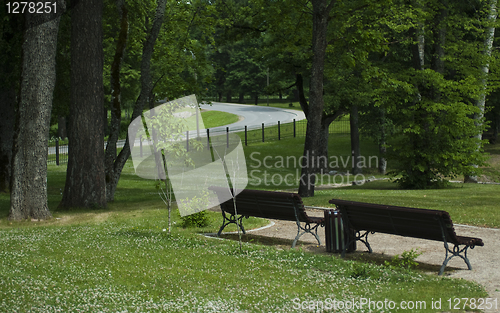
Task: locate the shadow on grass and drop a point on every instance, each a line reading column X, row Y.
column 381, row 259
column 360, row 256
column 261, row 240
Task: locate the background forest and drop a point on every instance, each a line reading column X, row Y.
column 419, row 77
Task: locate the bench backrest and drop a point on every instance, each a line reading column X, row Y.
column 403, row 221
column 265, row 204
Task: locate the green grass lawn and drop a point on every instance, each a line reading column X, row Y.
column 133, row 265
column 471, row 204
column 120, row 258
column 276, row 165
column 217, row 118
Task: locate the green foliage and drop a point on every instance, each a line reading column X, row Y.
column 170, row 131
column 430, row 97
column 406, row 261
column 359, row 270
column 435, row 142
column 196, row 204
column 200, row 219
column 167, row 125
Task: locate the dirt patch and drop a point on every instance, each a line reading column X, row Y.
column 67, row 219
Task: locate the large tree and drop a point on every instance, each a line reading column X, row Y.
column 10, row 64
column 85, row 177
column 432, row 82
column 246, row 74
column 28, row 195
column 114, row 163
column 485, row 68
column 321, row 15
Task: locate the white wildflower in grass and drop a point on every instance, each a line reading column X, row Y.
column 132, row 266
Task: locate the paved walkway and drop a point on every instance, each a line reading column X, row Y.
column 484, row 260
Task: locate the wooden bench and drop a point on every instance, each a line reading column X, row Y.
column 268, row 204
column 408, row 222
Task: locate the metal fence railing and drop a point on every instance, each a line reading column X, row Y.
column 278, row 131
column 248, row 134
column 57, row 154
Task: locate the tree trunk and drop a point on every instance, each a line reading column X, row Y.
column 355, row 146
column 495, row 131
column 28, row 196
column 115, row 169
column 61, row 127
column 7, row 116
column 382, row 165
column 85, row 176
column 480, row 103
column 322, row 163
column 10, row 64
column 299, row 84
column 496, row 126
column 325, row 134
column 110, row 154
column 316, row 102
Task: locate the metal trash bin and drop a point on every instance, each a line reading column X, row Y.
column 337, row 235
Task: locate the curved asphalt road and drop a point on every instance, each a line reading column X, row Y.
column 252, row 116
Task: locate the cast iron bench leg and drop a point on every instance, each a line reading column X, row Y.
column 306, row 229
column 231, row 220
column 455, row 252
column 360, row 238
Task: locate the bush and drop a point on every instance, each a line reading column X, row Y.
column 406, row 261
column 200, row 219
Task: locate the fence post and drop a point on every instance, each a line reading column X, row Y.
column 57, row 151
column 279, row 131
column 227, row 136
column 262, row 132
column 246, row 141
column 294, row 132
column 208, row 139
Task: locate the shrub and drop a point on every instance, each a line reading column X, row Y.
column 406, row 261
column 200, row 219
